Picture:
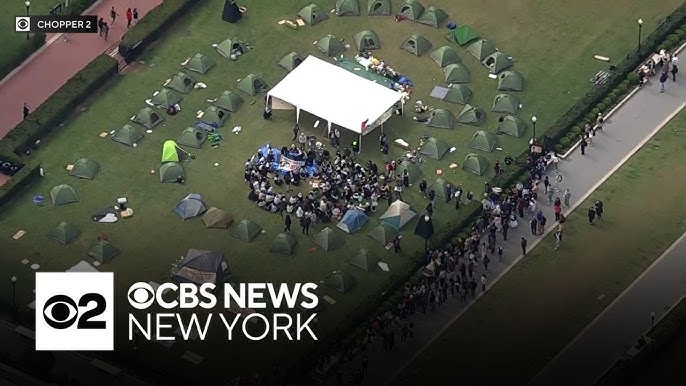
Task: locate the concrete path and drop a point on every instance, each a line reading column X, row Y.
column 620, row 325
column 625, row 131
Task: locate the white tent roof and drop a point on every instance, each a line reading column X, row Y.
column 335, row 95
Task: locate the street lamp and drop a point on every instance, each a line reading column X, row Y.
column 14, row 292
column 28, row 5
column 652, row 320
column 640, row 26
column 533, row 133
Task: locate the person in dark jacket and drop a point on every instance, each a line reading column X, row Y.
column 599, row 209
column 287, row 222
column 591, row 215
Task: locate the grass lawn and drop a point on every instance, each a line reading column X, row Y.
column 534, row 34
column 667, row 365
column 556, row 294
column 14, row 41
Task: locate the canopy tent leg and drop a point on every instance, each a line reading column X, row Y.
column 359, row 144
column 297, row 115
column 328, row 129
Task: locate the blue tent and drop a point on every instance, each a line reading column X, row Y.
column 353, row 220
column 191, row 206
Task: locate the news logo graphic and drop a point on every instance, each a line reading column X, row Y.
column 74, row 311
column 56, row 24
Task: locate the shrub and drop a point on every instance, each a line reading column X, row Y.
column 558, row 148
column 59, row 105
column 609, row 100
column 615, row 94
column 594, row 113
column 632, row 77
column 601, row 107
column 35, row 42
column 623, row 88
column 680, row 33
column 77, row 7
column 674, row 39
column 572, row 137
column 576, row 130
column 564, row 141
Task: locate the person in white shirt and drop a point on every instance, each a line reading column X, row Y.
column 556, row 161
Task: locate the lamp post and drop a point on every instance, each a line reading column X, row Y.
column 14, row 292
column 533, row 133
column 640, row 26
column 652, row 325
column 28, row 5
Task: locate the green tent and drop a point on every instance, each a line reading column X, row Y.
column 397, row 215
column 252, row 85
column 216, row 218
column 283, row 243
column 458, row 93
column 340, row 281
column 484, row 141
column 411, row 9
column 103, row 251
column 192, row 137
column 200, row 63
column 363, row 260
column 435, row 148
column 170, row 172
column 312, row 15
column 170, row 151
column 440, row 186
column 441, row 118
column 433, row 17
column 229, row 101
column 246, row 230
column 471, row 115
column 330, row 45
column 166, row 98
column 64, row 232
column 416, row 44
column 85, row 168
column 481, row 48
column 445, row 56
column 505, row 103
column 497, row 62
column 328, row 239
column 181, row 82
column 147, row 118
column 231, row 46
column 215, row 116
column 379, row 7
column 383, row 234
column 475, row 163
column 513, row 126
column 347, row 8
column 290, row 61
column 462, row 35
column 510, row 80
column 456, row 73
column 128, row 135
column 63, row 194
column 413, row 170
column 367, row 40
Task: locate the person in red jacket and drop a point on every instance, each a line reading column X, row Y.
column 129, row 17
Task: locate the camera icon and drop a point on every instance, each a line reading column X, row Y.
column 22, row 24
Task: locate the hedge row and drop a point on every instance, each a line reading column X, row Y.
column 35, row 42
column 153, row 25
column 22, row 179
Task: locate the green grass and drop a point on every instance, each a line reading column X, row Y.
column 14, row 41
column 555, row 294
column 666, row 366
column 553, row 51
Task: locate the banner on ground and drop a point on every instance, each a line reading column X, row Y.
column 290, row 165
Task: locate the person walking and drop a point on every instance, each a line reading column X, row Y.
column 422, row 188
column 396, row 244
column 591, row 215
column 135, row 15
column 541, row 225
column 599, row 209
column 105, row 30
column 129, row 18
column 558, row 210
column 113, row 16
column 523, row 244
column 675, row 69
column 25, row 110
column 302, row 140
column 296, row 131
column 305, row 223
column 483, row 282
column 486, row 261
column 551, row 193
column 663, row 79
column 583, row 146
column 500, row 253
column 558, row 238
column 287, row 223
column 567, row 197
column 101, row 21
column 534, row 226
column 546, row 183
column 556, row 161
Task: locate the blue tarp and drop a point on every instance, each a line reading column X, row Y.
column 275, row 166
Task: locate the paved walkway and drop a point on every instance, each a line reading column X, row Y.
column 624, row 133
column 56, row 62
column 620, row 325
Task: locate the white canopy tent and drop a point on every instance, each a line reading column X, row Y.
column 336, row 95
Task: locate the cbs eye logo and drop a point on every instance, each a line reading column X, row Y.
column 141, row 295
column 61, row 312
column 22, row 24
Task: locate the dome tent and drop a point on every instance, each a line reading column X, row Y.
column 290, row 61
column 505, row 103
column 328, row 239
column 456, row 73
column 232, row 12
column 231, row 46
column 481, row 49
column 85, row 168
column 200, row 266
column 283, row 243
column 416, row 45
column 192, row 137
column 484, row 141
column 128, row 135
column 471, row 115
column 246, row 230
column 367, row 40
column 166, row 98
column 433, row 17
column 191, row 206
column 475, row 163
column 444, row 56
column 458, row 93
column 252, row 85
column 497, row 62
column 510, row 81
column 435, row 148
column 413, row 170
column 63, row 194
column 64, row 232
column 170, row 152
column 229, row 101
column 147, row 118
column 214, row 116
column 103, row 251
column 441, row 118
column 513, row 126
column 397, row 215
column 200, row 63
column 181, row 82
column 411, row 9
column 171, row 171
column 312, row 15
column 330, row 45
column 216, row 218
column 440, row 186
column 363, row 260
column 353, row 220
column 462, row 35
column 347, row 8
column 379, row 7
column 340, row 281
column 383, row 234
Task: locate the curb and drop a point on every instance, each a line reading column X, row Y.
column 614, row 109
column 47, row 44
